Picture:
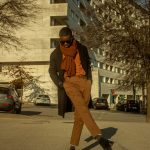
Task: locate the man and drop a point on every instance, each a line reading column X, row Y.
column 70, row 71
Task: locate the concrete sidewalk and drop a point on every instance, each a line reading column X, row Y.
column 37, row 134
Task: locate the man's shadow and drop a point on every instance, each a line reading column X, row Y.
column 106, row 133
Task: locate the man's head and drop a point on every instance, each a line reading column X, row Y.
column 66, row 37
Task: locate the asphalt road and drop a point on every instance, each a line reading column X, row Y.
column 50, row 112
column 40, row 128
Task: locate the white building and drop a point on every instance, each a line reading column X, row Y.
column 110, row 75
column 42, row 37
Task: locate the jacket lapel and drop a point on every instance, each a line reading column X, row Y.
column 82, row 56
column 59, row 56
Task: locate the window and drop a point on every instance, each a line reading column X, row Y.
column 58, row 20
column 0, row 68
column 98, row 51
column 115, row 81
column 103, row 1
column 107, row 80
column 107, row 67
column 46, row 96
column 101, row 65
column 104, row 66
column 103, row 53
column 94, row 6
column 119, row 70
column 57, row 1
column 4, row 91
column 119, row 82
column 103, row 14
column 111, row 81
column 124, row 72
column 107, row 54
column 120, row 17
column 102, row 79
column 116, row 69
column 111, row 68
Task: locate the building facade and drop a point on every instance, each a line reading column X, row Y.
column 42, row 37
column 40, row 40
column 111, row 75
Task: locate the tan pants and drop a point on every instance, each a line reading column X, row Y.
column 79, row 89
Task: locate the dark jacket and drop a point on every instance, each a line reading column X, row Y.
column 57, row 75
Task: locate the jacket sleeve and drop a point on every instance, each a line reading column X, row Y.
column 88, row 66
column 53, row 70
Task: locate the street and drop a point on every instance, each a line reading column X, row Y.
column 40, row 128
column 50, row 112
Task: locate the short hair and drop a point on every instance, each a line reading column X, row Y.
column 65, row 31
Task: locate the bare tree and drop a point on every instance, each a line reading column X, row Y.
column 121, row 28
column 22, row 78
column 15, row 14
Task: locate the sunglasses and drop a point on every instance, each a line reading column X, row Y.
column 67, row 41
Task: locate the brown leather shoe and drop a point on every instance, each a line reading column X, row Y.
column 72, row 147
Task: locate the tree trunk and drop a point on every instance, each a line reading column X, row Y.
column 148, row 83
column 148, row 102
column 142, row 104
column 134, row 92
